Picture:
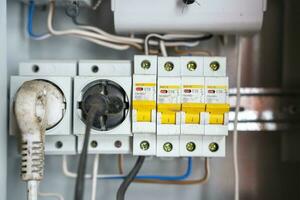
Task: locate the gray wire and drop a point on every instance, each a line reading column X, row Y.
column 79, row 187
column 130, row 177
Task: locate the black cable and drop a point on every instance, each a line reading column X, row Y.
column 79, row 188
column 129, row 178
column 94, row 105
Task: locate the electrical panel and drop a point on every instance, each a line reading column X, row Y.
column 166, row 107
column 170, row 16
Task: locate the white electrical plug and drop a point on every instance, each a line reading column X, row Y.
column 39, row 105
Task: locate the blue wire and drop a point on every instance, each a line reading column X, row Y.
column 164, row 178
column 31, row 9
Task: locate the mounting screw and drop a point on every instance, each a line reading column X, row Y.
column 95, row 68
column 191, row 146
column 169, row 66
column 168, row 147
column 118, row 144
column 58, row 144
column 94, row 144
column 213, row 147
column 214, row 65
column 192, row 66
column 35, row 68
column 144, row 145
column 146, row 64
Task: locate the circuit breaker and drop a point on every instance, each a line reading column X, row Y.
column 193, row 106
column 217, row 106
column 144, row 105
column 168, row 106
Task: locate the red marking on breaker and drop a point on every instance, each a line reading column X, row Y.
column 187, row 91
column 211, row 91
column 139, row 89
column 164, row 91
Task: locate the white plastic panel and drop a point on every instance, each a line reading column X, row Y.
column 48, row 68
column 60, row 144
column 169, row 16
column 106, row 144
column 105, row 68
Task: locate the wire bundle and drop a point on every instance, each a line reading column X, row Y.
column 100, row 37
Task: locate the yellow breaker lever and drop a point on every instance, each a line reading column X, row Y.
column 168, row 112
column 216, row 112
column 144, row 110
column 192, row 112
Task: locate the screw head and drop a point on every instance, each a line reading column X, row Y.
column 146, row 64
column 215, row 65
column 169, row 66
column 58, row 144
column 190, row 146
column 144, row 145
column 94, row 144
column 118, row 144
column 213, row 147
column 192, row 66
column 168, row 147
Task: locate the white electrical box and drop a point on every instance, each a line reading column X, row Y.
column 170, row 16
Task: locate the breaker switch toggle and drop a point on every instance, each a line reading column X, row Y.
column 168, row 112
column 217, row 113
column 144, row 110
column 192, row 112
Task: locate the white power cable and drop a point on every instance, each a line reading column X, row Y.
column 80, row 33
column 185, row 44
column 136, row 41
column 147, row 40
column 70, row 174
column 97, row 4
column 235, row 131
column 50, row 194
column 120, row 39
column 32, row 189
column 95, row 173
column 163, row 48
